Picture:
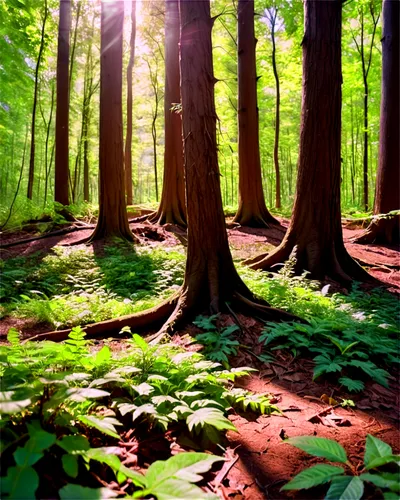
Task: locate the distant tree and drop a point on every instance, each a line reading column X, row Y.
column 113, row 220
column 62, row 110
column 387, row 195
column 172, row 205
column 271, row 14
column 35, row 101
column 252, row 210
column 365, row 53
column 129, row 99
column 314, row 236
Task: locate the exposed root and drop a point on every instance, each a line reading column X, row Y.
column 339, row 267
column 59, row 232
column 385, row 230
column 146, row 320
column 256, row 220
column 251, row 307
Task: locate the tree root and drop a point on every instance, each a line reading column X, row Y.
column 59, row 232
column 384, row 230
column 340, row 267
column 145, row 320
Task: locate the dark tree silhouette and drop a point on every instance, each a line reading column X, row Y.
column 387, row 195
column 113, row 220
column 62, row 111
column 252, row 210
column 314, row 236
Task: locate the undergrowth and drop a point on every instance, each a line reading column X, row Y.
column 70, row 287
column 349, row 336
column 378, row 456
column 58, row 399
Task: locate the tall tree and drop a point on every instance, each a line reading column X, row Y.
column 366, row 59
column 113, row 220
column 62, row 111
column 272, row 15
column 252, row 210
column 314, row 236
column 128, row 138
column 172, row 205
column 387, row 195
column 35, row 100
column 211, row 279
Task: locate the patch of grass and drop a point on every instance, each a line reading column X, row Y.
column 71, row 287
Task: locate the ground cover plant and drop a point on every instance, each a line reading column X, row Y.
column 71, row 287
column 377, row 456
column 57, row 399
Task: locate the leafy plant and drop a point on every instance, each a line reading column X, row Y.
column 218, row 342
column 377, row 454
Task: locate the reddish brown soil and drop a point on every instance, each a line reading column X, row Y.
column 260, row 462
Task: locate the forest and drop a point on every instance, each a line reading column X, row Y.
column 199, row 238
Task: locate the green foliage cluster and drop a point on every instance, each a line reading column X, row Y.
column 350, row 336
column 377, row 455
column 218, row 341
column 71, row 287
column 56, row 397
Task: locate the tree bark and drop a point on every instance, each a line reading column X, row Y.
column 62, row 112
column 172, row 205
column 211, row 279
column 128, row 139
column 35, row 98
column 252, row 210
column 387, row 195
column 314, row 237
column 113, row 219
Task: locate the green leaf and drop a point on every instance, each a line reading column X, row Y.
column 318, row 474
column 76, row 492
column 9, row 406
column 379, row 461
column 176, row 489
column 81, row 394
column 103, row 356
column 390, row 495
column 383, row 480
column 74, row 444
column 20, row 483
column 39, row 439
column 210, row 416
column 345, row 488
column 352, row 385
column 138, row 340
column 375, row 448
column 320, row 447
column 24, row 457
column 105, row 425
column 70, row 465
column 184, row 466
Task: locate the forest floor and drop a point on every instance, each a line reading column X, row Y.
column 259, row 462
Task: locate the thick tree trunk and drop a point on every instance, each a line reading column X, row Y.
column 128, row 139
column 113, row 220
column 35, row 99
column 211, row 279
column 62, row 112
column 172, row 208
column 252, row 210
column 387, row 195
column 314, row 237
